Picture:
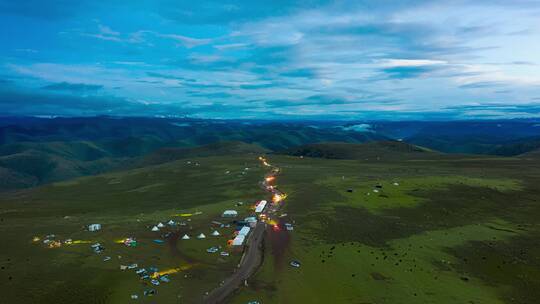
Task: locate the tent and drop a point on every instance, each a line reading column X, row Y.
column 215, row 233
column 185, row 237
column 160, row 225
column 230, row 213
column 155, row 228
column 171, row 222
column 201, row 236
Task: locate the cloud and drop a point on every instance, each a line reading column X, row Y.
column 358, row 128
column 185, row 41
column 316, row 58
column 392, row 63
column 72, row 87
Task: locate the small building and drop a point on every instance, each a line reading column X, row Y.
column 260, row 206
column 94, row 227
column 238, row 240
column 244, row 231
column 230, row 213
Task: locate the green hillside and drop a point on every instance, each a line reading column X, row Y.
column 377, row 150
column 216, row 149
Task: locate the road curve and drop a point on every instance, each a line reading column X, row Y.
column 253, row 254
column 249, row 264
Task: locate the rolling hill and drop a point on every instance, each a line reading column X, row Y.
column 387, row 150
column 216, row 149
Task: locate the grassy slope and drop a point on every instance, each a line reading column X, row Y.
column 222, row 148
column 378, row 150
column 126, row 204
column 453, row 231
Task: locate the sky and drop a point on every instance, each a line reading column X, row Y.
column 276, row 59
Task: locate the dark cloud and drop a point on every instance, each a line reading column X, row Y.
column 403, row 72
column 218, row 12
column 55, row 9
column 73, row 87
column 499, row 109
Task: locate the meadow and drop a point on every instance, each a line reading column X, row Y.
column 126, row 204
column 448, row 230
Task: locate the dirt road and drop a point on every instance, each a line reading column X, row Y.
column 253, row 253
column 249, row 264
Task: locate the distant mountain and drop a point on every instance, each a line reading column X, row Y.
column 380, row 150
column 35, row 151
column 148, row 133
column 165, row 155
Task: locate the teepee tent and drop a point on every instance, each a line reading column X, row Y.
column 160, row 225
column 171, row 222
column 201, row 236
column 215, row 233
column 155, row 228
column 185, row 237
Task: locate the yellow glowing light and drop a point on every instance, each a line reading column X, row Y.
column 278, row 197
column 81, row 242
column 36, row 239
column 183, row 214
column 170, row 271
column 270, row 178
column 55, row 244
column 272, row 222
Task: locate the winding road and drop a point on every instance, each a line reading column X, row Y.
column 253, row 253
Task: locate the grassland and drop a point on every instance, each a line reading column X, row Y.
column 127, row 204
column 447, row 230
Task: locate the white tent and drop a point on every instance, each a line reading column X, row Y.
column 160, row 225
column 201, row 236
column 171, row 222
column 230, row 213
column 215, row 233
column 185, row 237
column 155, row 228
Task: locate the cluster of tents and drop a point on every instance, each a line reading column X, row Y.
column 161, row 225
column 201, row 235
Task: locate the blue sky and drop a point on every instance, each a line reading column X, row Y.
column 271, row 59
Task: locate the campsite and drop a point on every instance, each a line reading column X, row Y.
column 431, row 222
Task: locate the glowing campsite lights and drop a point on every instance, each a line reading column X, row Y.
column 278, row 197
